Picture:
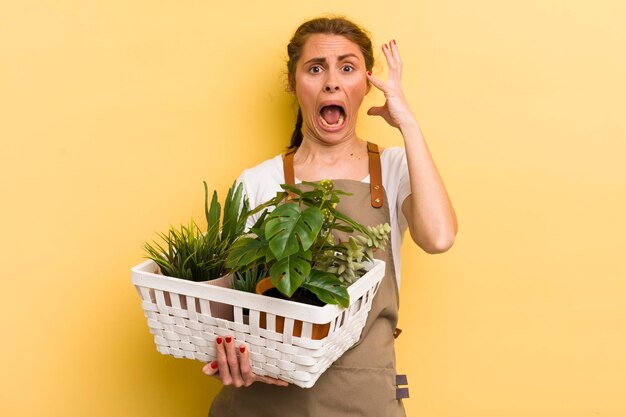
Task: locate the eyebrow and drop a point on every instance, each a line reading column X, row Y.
column 321, row 60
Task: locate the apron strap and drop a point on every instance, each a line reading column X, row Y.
column 290, row 178
column 376, row 179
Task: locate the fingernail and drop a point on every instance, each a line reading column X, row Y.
column 219, row 340
column 369, row 73
column 229, row 339
column 386, row 47
column 242, row 348
column 214, row 365
column 394, row 41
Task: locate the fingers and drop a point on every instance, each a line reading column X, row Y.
column 376, row 82
column 244, row 365
column 233, row 361
column 271, row 381
column 223, row 367
column 376, row 111
column 210, row 368
column 392, row 55
column 250, row 377
column 232, row 365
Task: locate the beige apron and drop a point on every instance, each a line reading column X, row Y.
column 363, row 381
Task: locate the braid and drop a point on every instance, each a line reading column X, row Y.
column 296, row 137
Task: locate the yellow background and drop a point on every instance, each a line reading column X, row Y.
column 112, row 113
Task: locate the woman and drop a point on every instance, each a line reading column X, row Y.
column 330, row 64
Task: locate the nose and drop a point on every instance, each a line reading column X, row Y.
column 331, row 85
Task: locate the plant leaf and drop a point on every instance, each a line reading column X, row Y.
column 232, row 223
column 245, row 251
column 212, row 214
column 289, row 228
column 327, row 288
column 288, row 273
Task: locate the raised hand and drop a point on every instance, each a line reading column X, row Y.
column 396, row 110
column 232, row 365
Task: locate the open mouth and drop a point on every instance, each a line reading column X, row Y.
column 332, row 116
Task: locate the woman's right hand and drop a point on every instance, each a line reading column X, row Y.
column 232, row 366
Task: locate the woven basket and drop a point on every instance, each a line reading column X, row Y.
column 186, row 317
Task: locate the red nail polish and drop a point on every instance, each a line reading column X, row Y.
column 394, row 41
column 369, row 73
column 229, row 339
column 386, row 47
column 219, row 340
column 242, row 348
column 214, row 365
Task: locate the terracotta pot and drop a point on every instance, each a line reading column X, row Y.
column 318, row 332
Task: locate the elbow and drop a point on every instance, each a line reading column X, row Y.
column 441, row 246
column 438, row 244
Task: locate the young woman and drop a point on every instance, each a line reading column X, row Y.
column 330, row 64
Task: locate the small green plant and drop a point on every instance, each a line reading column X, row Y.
column 347, row 261
column 246, row 280
column 196, row 255
column 296, row 242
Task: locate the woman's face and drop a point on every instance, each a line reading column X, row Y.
column 330, row 83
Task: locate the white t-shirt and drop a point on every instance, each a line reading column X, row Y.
column 262, row 182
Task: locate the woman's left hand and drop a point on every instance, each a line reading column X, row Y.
column 396, row 110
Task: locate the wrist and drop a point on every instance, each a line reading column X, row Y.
column 409, row 125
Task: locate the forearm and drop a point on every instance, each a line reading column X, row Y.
column 428, row 210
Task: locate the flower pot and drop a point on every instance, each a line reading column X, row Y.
column 218, row 310
column 221, row 310
column 318, row 332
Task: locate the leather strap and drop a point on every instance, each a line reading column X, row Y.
column 376, row 177
column 290, row 177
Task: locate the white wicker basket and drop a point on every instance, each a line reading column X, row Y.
column 186, row 317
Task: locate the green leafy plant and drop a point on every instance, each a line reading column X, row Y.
column 297, row 244
column 246, row 280
column 196, row 255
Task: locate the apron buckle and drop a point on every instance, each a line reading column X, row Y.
column 402, row 392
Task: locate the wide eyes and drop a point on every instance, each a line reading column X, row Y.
column 316, row 69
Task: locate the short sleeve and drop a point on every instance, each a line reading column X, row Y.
column 261, row 183
column 397, row 188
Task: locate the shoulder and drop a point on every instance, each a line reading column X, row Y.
column 393, row 157
column 394, row 166
column 272, row 167
column 395, row 173
column 262, row 181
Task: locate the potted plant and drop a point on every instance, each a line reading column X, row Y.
column 196, row 255
column 193, row 254
column 298, row 245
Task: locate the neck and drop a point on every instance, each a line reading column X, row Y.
column 329, row 153
column 315, row 160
